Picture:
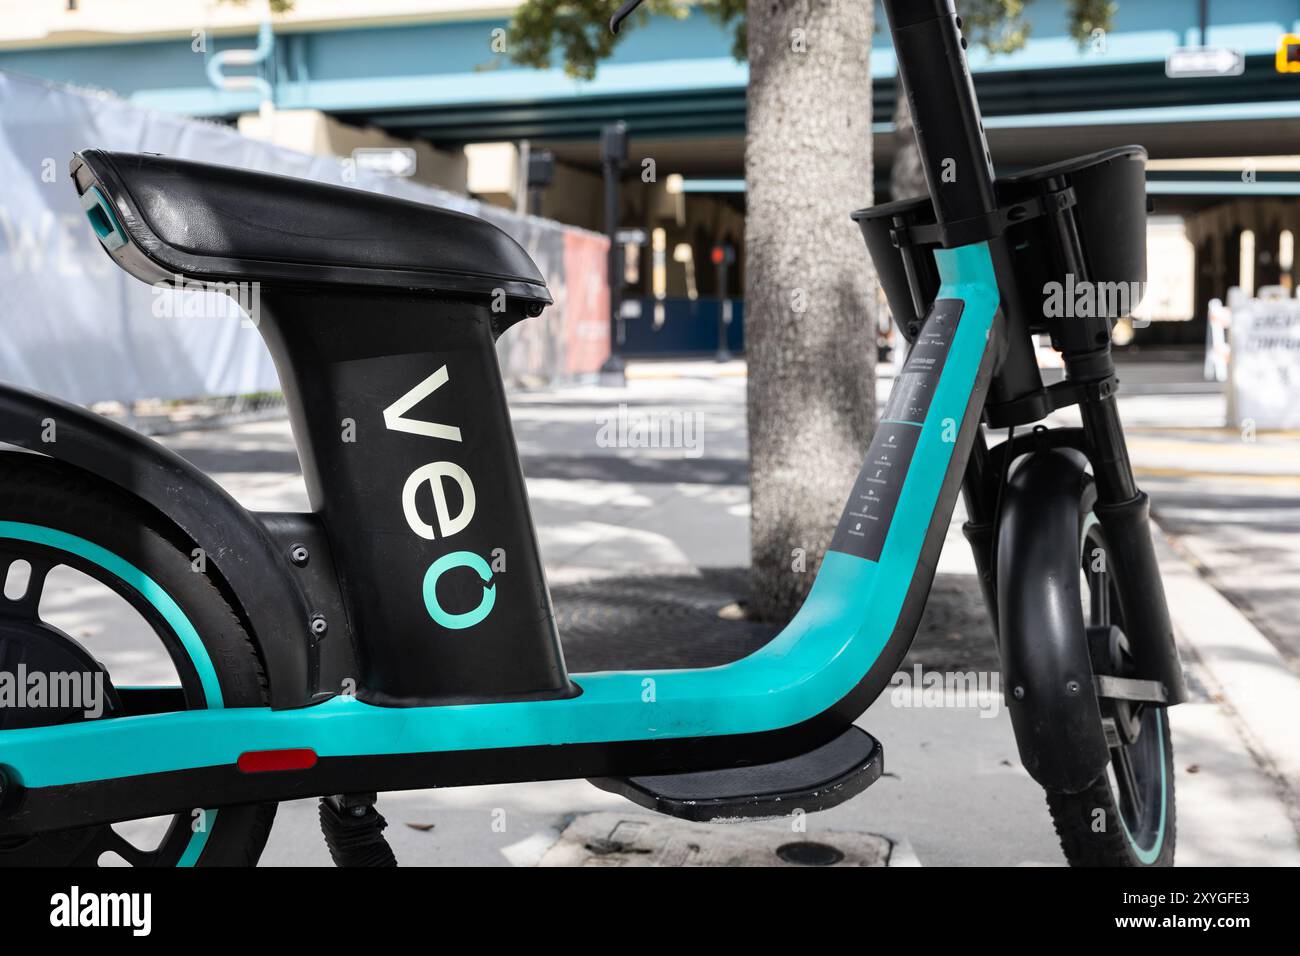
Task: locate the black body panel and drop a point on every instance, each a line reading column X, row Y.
column 302, row 539
column 403, row 432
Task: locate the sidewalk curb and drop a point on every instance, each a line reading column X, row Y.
column 1253, row 680
column 901, row 852
column 644, row 373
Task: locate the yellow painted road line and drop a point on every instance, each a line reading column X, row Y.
column 1263, row 478
column 1226, row 432
column 666, row 374
column 1235, row 449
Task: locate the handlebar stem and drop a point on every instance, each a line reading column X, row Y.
column 945, row 114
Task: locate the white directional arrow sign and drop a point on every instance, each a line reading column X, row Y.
column 1195, row 61
column 399, row 161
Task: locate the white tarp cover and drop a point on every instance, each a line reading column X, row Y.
column 78, row 327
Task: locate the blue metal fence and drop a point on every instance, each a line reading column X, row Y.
column 679, row 327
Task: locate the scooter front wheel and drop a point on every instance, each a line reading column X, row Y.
column 1126, row 816
column 73, row 551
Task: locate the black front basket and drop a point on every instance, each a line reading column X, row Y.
column 1081, row 220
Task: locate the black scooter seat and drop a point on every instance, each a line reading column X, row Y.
column 169, row 216
column 818, row 780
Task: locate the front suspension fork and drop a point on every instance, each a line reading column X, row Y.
column 1124, row 511
column 981, row 522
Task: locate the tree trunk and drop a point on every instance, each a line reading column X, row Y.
column 906, row 175
column 809, row 320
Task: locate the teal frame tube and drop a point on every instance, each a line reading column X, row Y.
column 824, row 652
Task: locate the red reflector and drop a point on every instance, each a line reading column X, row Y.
column 262, row 761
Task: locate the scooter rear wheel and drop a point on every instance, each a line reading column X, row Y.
column 55, row 517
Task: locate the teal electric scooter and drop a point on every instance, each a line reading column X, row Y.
column 375, row 643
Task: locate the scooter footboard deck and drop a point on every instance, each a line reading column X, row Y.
column 798, row 692
column 817, row 780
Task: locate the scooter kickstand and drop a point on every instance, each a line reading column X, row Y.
column 354, row 830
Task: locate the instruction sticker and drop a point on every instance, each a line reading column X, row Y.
column 871, row 507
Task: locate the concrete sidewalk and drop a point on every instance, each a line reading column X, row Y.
column 1229, row 495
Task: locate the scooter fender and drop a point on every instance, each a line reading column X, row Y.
column 234, row 541
column 1046, row 669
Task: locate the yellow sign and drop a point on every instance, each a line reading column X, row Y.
column 1288, row 53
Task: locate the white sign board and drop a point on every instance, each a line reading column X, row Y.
column 1265, row 372
column 383, row 161
column 1189, row 62
column 1171, row 270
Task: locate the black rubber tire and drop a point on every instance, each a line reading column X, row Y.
column 40, row 490
column 1089, row 824
column 1091, row 830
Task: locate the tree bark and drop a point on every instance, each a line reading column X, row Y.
column 809, row 319
column 906, row 175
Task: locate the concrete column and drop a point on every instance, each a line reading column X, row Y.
column 1267, row 268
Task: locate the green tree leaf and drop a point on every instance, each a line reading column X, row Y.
column 575, row 33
